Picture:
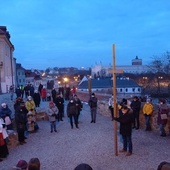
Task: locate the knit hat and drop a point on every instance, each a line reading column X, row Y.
column 3, row 104
column 148, row 100
column 51, row 103
column 29, row 98
column 22, row 164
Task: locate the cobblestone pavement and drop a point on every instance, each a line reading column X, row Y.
column 92, row 144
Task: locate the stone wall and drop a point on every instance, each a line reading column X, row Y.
column 103, row 109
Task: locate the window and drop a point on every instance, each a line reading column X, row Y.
column 126, row 90
column 120, row 90
column 138, row 89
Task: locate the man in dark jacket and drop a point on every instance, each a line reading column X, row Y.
column 53, row 93
column 135, row 106
column 71, row 112
column 93, row 107
column 59, row 102
column 126, row 129
column 21, row 120
column 78, row 106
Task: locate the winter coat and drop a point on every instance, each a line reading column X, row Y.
column 135, row 105
column 78, row 105
column 163, row 109
column 5, row 112
column 125, row 123
column 71, row 109
column 52, row 112
column 43, row 93
column 92, row 102
column 37, row 98
column 54, row 93
column 147, row 109
column 3, row 129
column 59, row 102
column 21, row 117
column 30, row 106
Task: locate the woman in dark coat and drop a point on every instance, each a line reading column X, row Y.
column 126, row 120
column 163, row 112
column 71, row 112
column 21, row 121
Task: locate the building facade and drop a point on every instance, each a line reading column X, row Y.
column 7, row 62
column 135, row 68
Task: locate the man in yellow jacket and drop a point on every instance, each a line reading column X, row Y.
column 147, row 111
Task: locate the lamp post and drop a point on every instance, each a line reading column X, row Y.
column 159, row 85
column 1, row 65
column 89, row 85
column 144, row 84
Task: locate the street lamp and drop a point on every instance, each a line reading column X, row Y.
column 159, row 85
column 89, row 85
column 65, row 80
column 1, row 65
column 144, row 83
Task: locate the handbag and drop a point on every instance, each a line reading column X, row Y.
column 1, row 140
column 164, row 116
column 7, row 120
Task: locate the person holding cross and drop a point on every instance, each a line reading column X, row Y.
column 126, row 120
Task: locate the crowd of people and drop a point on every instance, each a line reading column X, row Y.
column 25, row 115
column 129, row 112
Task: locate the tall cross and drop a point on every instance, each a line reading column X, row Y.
column 114, row 71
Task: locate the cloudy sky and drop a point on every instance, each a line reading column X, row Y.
column 80, row 33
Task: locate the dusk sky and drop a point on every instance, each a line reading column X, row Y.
column 80, row 33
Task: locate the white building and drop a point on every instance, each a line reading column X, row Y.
column 135, row 68
column 7, row 62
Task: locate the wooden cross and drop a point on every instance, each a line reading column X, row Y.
column 114, row 71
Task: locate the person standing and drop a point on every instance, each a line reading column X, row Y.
column 126, row 129
column 111, row 106
column 22, row 91
column 43, row 94
column 147, row 111
column 18, row 91
column 40, row 88
column 5, row 114
column 78, row 106
column 21, row 121
column 93, row 107
column 59, row 102
column 11, row 91
column 31, row 90
column 162, row 119
column 52, row 112
column 53, row 93
column 135, row 106
column 30, row 105
column 71, row 112
column 3, row 145
column 27, row 90
column 37, row 98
